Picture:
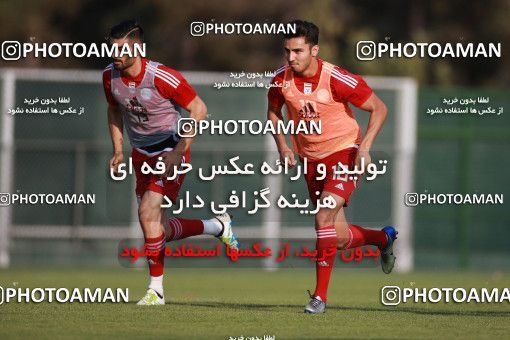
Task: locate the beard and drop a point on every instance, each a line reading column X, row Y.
column 123, row 64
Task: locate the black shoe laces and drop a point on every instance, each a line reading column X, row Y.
column 315, row 303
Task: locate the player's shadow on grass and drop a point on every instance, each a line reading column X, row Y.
column 421, row 311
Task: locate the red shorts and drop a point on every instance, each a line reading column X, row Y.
column 154, row 182
column 342, row 185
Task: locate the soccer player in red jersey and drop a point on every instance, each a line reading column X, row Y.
column 313, row 89
column 142, row 97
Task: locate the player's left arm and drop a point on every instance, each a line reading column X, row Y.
column 197, row 111
column 353, row 89
column 378, row 113
column 172, row 85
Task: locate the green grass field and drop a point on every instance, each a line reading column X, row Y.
column 223, row 303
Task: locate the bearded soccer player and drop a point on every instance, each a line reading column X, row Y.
column 142, row 96
column 313, row 89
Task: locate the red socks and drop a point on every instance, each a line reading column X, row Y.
column 157, row 262
column 326, row 242
column 181, row 228
column 361, row 236
column 327, row 250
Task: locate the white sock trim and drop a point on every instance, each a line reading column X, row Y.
column 156, row 283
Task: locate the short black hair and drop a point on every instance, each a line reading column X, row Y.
column 305, row 29
column 127, row 29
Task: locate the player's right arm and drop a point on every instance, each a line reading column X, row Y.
column 274, row 114
column 114, row 122
column 116, row 134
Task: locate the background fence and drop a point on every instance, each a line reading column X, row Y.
column 59, row 154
